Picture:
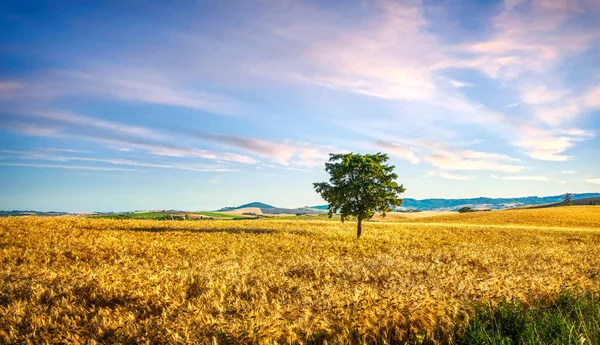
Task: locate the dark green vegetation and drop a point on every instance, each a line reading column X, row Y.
column 569, row 319
column 359, row 186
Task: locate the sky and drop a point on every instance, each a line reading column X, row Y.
column 198, row 105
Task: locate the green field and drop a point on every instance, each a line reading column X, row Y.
column 131, row 215
column 222, row 215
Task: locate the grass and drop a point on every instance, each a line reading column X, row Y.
column 567, row 319
column 76, row 279
column 566, row 216
column 222, row 215
column 131, row 215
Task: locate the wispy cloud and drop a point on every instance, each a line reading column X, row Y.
column 58, row 166
column 568, row 172
column 32, row 129
column 9, row 89
column 539, row 94
column 118, row 82
column 285, row 152
column 539, row 178
column 50, row 155
column 398, row 150
column 457, row 162
column 116, row 134
column 549, row 145
column 450, row 176
column 593, row 180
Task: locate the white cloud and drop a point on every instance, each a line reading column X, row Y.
column 539, row 94
column 592, row 98
column 568, row 172
column 454, row 162
column 485, row 155
column 57, row 166
column 549, row 145
column 593, row 180
column 398, row 150
column 450, row 176
column 539, row 178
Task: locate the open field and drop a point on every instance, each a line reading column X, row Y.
column 222, row 215
column 75, row 279
column 568, row 216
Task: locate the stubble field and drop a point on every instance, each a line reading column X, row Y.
column 76, row 280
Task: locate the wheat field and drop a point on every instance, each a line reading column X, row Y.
column 81, row 280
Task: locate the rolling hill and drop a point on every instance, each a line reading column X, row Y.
column 483, row 202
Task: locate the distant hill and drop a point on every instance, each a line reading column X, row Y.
column 249, row 205
column 17, row 213
column 269, row 209
column 482, row 202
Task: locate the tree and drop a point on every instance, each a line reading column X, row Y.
column 465, row 209
column 359, row 186
column 568, row 199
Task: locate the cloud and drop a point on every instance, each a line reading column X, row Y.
column 485, row 155
column 9, row 89
column 455, row 162
column 593, row 180
column 57, row 166
column 33, row 129
column 568, row 172
column 450, row 176
column 539, row 178
column 529, row 39
column 539, row 94
column 556, row 115
column 117, row 134
column 120, row 82
column 447, row 159
column 84, row 121
column 592, row 98
column 456, row 83
column 46, row 154
column 398, row 150
column 285, row 152
column 548, row 145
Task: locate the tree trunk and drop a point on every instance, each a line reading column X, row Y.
column 359, row 230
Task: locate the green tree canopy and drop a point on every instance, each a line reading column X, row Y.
column 359, row 186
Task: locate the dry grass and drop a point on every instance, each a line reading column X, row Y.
column 567, row 216
column 396, row 216
column 80, row 280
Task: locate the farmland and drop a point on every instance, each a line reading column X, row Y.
column 76, row 279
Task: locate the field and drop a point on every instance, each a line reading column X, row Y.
column 168, row 215
column 75, row 279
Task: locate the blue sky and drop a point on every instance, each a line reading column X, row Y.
column 118, row 105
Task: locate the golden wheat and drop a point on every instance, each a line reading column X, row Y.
column 76, row 280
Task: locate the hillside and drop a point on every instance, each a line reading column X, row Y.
column 254, row 204
column 483, row 202
column 565, row 216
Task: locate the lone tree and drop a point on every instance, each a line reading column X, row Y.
column 359, row 186
column 568, row 199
